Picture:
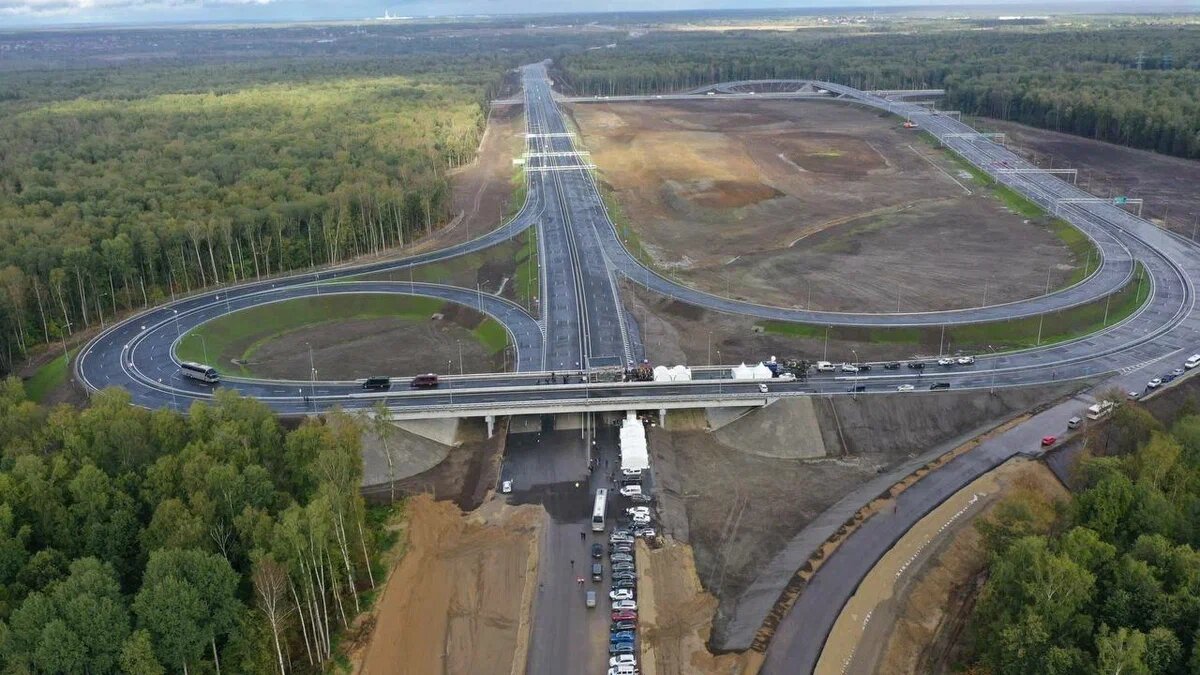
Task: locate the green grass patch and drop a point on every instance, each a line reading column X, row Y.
column 1001, row 335
column 492, row 335
column 527, row 279
column 240, row 334
column 49, row 377
column 520, row 189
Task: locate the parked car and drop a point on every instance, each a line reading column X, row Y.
column 894, row 365
column 647, row 532
column 905, row 387
column 1048, row 441
column 1169, row 377
column 786, row 377
column 624, row 574
column 620, row 557
column 1153, row 384
column 426, row 381
column 641, row 498
column 620, row 626
column 863, row 367
column 762, row 388
column 620, row 548
column 849, row 368
column 1177, row 372
column 590, row 599
column 621, row 636
column 939, row 385
column 623, row 567
column 634, row 510
column 917, row 365
column 620, row 594
column 506, row 487
column 945, row 361
column 1133, row 395
column 624, row 615
column 966, row 360
column 625, row 604
column 1074, row 422
column 624, row 670
column 625, row 583
column 640, row 519
column 630, row 490
column 825, row 367
column 597, row 571
column 621, row 648
column 597, row 551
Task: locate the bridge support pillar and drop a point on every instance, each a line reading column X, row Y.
column 491, row 424
column 662, row 418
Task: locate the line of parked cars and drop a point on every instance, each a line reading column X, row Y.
column 945, row 362
column 622, row 639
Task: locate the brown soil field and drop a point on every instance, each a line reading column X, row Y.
column 1168, row 184
column 460, row 598
column 919, row 603
column 358, row 348
column 812, row 204
column 675, row 615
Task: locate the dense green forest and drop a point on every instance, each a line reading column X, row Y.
column 1137, row 86
column 1109, row 583
column 147, row 542
column 190, row 164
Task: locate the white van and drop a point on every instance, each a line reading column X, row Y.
column 1192, row 362
column 825, row 367
column 1101, row 409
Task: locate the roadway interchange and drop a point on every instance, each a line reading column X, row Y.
column 584, row 326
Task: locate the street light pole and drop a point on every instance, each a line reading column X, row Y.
column 992, row 389
column 825, row 352
column 855, row 353
column 312, row 372
column 460, row 363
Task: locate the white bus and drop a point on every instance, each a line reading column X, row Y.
column 199, row 371
column 1101, row 409
column 598, row 510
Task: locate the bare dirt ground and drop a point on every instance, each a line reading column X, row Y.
column 812, row 204
column 357, row 348
column 468, row 472
column 1168, row 184
column 911, row 608
column 460, row 599
column 676, row 332
column 676, row 615
column 482, row 189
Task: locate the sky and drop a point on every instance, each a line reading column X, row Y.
column 67, row 12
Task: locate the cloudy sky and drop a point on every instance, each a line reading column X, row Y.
column 64, row 12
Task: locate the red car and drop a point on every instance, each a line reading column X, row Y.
column 624, row 615
column 1047, row 441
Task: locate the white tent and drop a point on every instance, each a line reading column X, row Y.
column 672, row 374
column 634, row 454
column 762, row 372
column 742, row 372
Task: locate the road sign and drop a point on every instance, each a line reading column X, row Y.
column 1120, row 200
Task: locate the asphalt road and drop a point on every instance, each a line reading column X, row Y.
column 583, row 325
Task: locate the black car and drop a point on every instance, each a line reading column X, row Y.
column 917, row 365
column 857, row 389
column 939, row 385
column 625, row 583
column 618, row 626
column 597, row 571
column 597, row 551
column 377, row 383
column 864, row 367
column 894, row 365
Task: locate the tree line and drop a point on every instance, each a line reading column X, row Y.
column 1138, row 86
column 1110, row 582
column 144, row 542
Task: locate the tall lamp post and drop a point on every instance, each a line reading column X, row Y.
column 312, row 371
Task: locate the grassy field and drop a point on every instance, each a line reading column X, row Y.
column 49, row 377
column 240, row 334
column 526, row 282
column 1001, row 335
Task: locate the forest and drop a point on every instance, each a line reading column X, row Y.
column 148, row 542
column 122, row 186
column 1109, row 583
column 1137, row 86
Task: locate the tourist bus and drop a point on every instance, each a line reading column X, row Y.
column 598, row 510
column 199, row 371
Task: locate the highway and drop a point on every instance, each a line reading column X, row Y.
column 581, row 324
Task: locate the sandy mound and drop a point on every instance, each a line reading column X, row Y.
column 459, row 600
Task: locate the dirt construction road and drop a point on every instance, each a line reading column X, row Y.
column 459, row 600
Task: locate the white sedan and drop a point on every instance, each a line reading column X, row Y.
column 945, row 361
column 905, row 387
column 506, row 487
column 1153, row 384
column 630, row 490
column 620, row 594
column 621, row 659
column 621, row 605
column 966, row 360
